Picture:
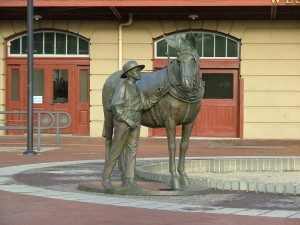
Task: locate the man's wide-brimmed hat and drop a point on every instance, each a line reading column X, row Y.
column 129, row 66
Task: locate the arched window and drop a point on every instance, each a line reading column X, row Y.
column 50, row 43
column 209, row 45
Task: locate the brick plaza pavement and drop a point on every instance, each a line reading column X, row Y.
column 22, row 209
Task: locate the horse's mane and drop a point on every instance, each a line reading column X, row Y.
column 151, row 81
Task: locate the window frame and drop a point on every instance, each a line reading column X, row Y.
column 202, row 33
column 78, row 38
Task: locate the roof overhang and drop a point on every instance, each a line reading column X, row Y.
column 153, row 9
column 149, row 3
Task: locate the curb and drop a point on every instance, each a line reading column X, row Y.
column 159, row 172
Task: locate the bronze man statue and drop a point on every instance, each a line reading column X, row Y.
column 127, row 104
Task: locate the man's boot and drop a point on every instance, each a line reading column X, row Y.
column 129, row 183
column 106, row 183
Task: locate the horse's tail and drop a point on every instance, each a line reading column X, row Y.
column 103, row 132
column 108, row 90
column 107, row 131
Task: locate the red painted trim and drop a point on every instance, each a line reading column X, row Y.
column 74, row 106
column 220, row 63
column 151, row 132
column 46, row 61
column 159, row 63
column 124, row 3
column 241, row 108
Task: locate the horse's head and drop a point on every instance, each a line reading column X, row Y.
column 186, row 65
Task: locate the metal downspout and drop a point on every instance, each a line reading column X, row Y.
column 120, row 40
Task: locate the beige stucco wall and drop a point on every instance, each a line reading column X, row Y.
column 2, row 78
column 271, row 69
column 270, row 59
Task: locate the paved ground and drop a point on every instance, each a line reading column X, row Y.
column 21, row 209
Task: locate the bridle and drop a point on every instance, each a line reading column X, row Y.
column 176, row 90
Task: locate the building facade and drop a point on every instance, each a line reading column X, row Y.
column 250, row 59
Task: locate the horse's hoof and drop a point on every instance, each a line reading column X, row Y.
column 184, row 181
column 174, row 183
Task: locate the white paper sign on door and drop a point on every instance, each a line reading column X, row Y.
column 37, row 99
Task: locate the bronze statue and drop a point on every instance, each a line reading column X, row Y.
column 126, row 106
column 180, row 106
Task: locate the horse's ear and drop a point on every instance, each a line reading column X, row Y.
column 182, row 42
column 191, row 40
column 173, row 41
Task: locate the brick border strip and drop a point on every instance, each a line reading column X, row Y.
column 159, row 172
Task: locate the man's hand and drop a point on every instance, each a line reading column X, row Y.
column 159, row 93
column 126, row 120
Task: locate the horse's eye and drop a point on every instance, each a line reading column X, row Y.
column 178, row 63
column 193, row 60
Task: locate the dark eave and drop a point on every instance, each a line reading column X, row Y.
column 287, row 12
column 145, row 3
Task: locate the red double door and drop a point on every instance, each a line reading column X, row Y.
column 58, row 85
column 220, row 108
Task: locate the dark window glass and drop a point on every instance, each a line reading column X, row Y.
column 218, row 86
column 24, row 45
column 84, row 76
column 220, row 46
column 60, row 43
column 198, row 37
column 38, row 43
column 232, row 48
column 72, row 44
column 38, row 82
column 60, row 86
column 49, row 43
column 83, row 47
column 208, row 45
column 15, row 46
column 14, row 83
column 172, row 52
column 208, row 50
column 161, row 48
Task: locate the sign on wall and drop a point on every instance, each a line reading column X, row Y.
column 37, row 99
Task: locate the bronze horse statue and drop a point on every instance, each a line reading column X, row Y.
column 179, row 107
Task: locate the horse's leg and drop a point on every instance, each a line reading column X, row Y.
column 171, row 133
column 186, row 132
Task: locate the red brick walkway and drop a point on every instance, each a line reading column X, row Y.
column 22, row 210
